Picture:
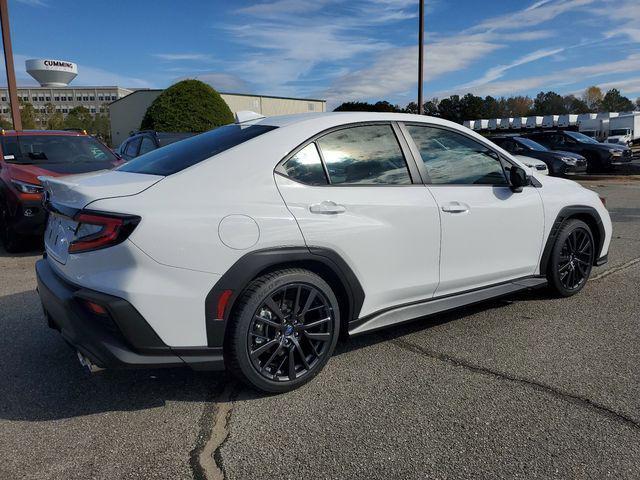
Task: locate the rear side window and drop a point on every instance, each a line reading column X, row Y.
column 306, row 166
column 454, row 159
column 180, row 155
column 364, row 155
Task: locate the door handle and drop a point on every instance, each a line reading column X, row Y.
column 455, row 207
column 327, row 208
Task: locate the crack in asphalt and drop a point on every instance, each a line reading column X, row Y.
column 617, row 269
column 205, row 459
column 539, row 386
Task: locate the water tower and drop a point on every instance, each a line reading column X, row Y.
column 52, row 73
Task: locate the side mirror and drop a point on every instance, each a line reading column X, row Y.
column 518, row 178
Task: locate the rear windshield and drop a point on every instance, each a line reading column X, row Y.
column 166, row 138
column 180, row 155
column 53, row 149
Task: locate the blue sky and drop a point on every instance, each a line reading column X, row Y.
column 338, row 49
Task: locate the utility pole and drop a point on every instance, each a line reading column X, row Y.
column 421, row 59
column 8, row 61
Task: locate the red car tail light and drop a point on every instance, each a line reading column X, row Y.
column 101, row 230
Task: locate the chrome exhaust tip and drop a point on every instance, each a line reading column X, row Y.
column 88, row 364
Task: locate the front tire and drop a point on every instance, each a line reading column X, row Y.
column 571, row 258
column 9, row 238
column 283, row 330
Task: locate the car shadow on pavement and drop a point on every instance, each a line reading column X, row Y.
column 41, row 378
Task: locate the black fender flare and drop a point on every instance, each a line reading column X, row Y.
column 251, row 265
column 583, row 212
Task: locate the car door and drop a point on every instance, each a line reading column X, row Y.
column 352, row 190
column 490, row 234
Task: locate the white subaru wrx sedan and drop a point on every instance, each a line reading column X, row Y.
column 253, row 246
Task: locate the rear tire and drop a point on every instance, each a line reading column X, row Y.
column 283, row 330
column 571, row 258
column 10, row 239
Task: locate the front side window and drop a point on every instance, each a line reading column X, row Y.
column 454, row 159
column 306, row 166
column 364, row 155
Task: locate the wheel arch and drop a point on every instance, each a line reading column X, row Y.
column 326, row 263
column 588, row 215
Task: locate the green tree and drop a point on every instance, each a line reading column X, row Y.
column 451, row 109
column 471, row 107
column 548, row 103
column 638, row 103
column 492, row 108
column 28, row 115
column 101, row 127
column 592, row 96
column 187, row 106
column 6, row 124
column 518, row 106
column 79, row 118
column 51, row 119
column 431, row 107
column 574, row 105
column 381, row 106
column 613, row 101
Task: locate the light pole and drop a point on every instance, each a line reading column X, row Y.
column 421, row 58
column 8, row 61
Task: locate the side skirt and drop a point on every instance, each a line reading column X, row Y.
column 408, row 312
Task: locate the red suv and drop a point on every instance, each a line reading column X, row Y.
column 26, row 155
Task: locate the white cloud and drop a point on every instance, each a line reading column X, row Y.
column 34, row 3
column 222, row 82
column 564, row 77
column 196, row 57
column 87, row 75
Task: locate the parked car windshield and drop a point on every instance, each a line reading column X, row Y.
column 580, row 137
column 180, row 155
column 54, row 149
column 532, row 145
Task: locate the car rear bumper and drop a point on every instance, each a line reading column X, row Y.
column 121, row 338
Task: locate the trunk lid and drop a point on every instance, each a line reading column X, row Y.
column 77, row 191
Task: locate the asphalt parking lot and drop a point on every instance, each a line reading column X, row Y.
column 525, row 387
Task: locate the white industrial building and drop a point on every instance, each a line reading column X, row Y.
column 127, row 112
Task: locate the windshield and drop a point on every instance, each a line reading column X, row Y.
column 60, row 149
column 532, row 145
column 618, row 132
column 185, row 153
column 581, row 138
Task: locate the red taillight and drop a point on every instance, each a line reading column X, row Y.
column 98, row 230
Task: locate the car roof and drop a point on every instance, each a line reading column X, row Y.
column 66, row 133
column 339, row 118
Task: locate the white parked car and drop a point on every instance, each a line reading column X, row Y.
column 252, row 246
column 538, row 166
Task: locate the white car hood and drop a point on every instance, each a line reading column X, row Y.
column 77, row 191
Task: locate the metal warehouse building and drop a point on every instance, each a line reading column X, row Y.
column 127, row 112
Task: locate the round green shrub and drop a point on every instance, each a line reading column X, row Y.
column 187, row 106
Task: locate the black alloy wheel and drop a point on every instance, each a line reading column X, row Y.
column 290, row 332
column 283, row 330
column 572, row 258
column 576, row 258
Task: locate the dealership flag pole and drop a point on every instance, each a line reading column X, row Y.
column 8, row 61
column 421, row 58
